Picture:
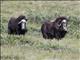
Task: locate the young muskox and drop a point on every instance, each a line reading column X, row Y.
column 56, row 29
column 17, row 25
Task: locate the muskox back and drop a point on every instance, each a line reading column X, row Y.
column 46, row 30
column 56, row 29
column 14, row 25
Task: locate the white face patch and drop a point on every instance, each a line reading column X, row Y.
column 23, row 20
column 23, row 25
column 64, row 21
column 64, row 25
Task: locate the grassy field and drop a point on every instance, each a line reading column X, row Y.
column 32, row 46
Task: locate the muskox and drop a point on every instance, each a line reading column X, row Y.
column 17, row 25
column 56, row 29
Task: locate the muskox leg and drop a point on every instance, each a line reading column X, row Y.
column 18, row 32
column 57, row 36
column 10, row 31
column 50, row 36
column 45, row 35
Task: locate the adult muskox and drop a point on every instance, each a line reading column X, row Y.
column 17, row 25
column 56, row 29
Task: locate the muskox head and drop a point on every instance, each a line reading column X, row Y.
column 22, row 22
column 61, row 23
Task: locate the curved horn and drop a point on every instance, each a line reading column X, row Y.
column 23, row 20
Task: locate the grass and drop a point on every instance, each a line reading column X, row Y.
column 32, row 46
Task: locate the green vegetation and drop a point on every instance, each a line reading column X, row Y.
column 32, row 46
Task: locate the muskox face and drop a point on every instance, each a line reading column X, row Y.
column 63, row 25
column 22, row 24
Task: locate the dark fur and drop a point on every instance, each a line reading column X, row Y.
column 14, row 27
column 51, row 30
